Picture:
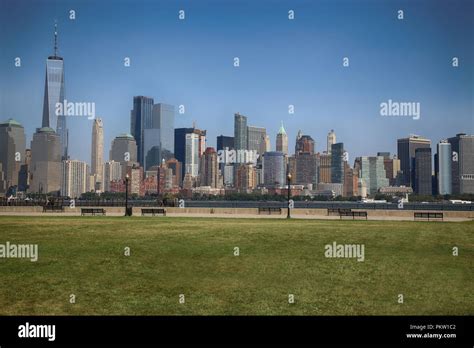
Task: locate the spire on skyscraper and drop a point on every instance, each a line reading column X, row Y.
column 299, row 135
column 282, row 129
column 55, row 39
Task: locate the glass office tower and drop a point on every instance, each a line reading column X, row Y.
column 240, row 132
column 53, row 94
column 443, row 168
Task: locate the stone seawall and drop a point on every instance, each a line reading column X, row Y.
column 376, row 214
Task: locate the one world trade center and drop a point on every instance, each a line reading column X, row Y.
column 53, row 94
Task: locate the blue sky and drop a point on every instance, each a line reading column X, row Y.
column 282, row 62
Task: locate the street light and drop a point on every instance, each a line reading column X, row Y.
column 288, row 179
column 128, row 211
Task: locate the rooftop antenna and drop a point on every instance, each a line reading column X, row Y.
column 55, row 39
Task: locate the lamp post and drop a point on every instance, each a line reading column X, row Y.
column 288, row 179
column 127, row 212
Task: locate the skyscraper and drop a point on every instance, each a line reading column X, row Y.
column 158, row 135
column 306, row 169
column 246, row 179
column 392, row 166
column 240, row 132
column 124, row 151
column 97, row 154
column 209, row 171
column 141, row 118
column 282, row 140
column 324, row 175
column 274, row 169
column 191, row 163
column 331, row 139
column 45, row 161
column 53, row 94
column 256, row 137
column 444, row 168
column 228, row 173
column 462, row 169
column 423, row 181
column 74, row 177
column 351, row 180
column 180, row 150
column 337, row 163
column 225, row 142
column 135, row 182
column 371, row 171
column 112, row 172
column 164, row 178
column 268, row 145
column 175, row 167
column 304, row 143
column 306, row 161
column 12, row 153
column 406, row 155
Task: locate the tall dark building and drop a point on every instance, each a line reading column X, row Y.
column 158, row 135
column 140, row 116
column 423, row 173
column 462, row 168
column 406, row 155
column 306, row 169
column 240, row 132
column 54, row 94
column 306, row 162
column 337, row 163
column 224, row 141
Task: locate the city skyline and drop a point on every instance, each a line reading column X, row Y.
column 440, row 88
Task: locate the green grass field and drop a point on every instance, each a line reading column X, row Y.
column 195, row 257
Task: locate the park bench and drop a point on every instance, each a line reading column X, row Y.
column 53, row 208
column 92, row 211
column 153, row 211
column 428, row 216
column 337, row 211
column 353, row 214
column 269, row 210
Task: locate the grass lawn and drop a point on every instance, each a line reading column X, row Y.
column 170, row 256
